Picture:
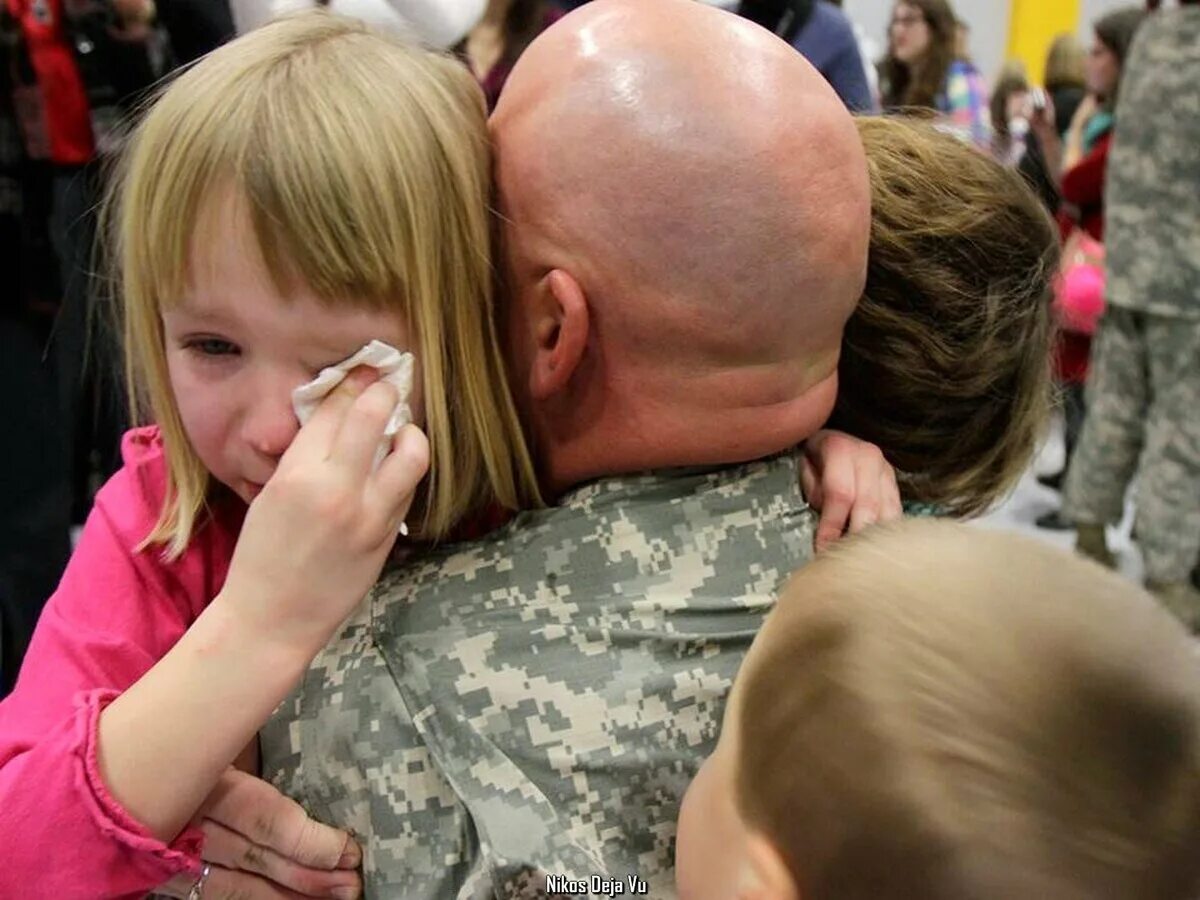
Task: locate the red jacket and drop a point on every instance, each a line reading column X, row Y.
column 62, row 112
column 116, row 613
column 1083, row 207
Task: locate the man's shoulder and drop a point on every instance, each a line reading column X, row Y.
column 618, row 533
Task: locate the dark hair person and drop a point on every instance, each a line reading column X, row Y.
column 823, row 35
column 506, row 29
column 924, row 70
column 1079, row 170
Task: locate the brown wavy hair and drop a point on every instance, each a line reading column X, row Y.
column 900, row 87
column 946, row 361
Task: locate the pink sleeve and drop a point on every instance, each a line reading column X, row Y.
column 113, row 616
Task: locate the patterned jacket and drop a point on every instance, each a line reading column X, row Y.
column 1152, row 233
column 504, row 715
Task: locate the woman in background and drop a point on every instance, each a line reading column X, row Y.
column 1064, row 80
column 506, row 29
column 923, row 69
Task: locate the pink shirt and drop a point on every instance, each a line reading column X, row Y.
column 115, row 613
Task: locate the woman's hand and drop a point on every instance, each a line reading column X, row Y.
column 317, row 536
column 260, row 845
column 850, row 483
column 1043, row 120
column 1073, row 152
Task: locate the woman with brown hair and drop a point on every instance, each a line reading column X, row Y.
column 506, row 29
column 1079, row 166
column 923, row 69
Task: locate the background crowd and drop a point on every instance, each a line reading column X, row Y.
column 71, row 71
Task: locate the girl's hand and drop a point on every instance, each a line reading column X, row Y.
column 262, row 846
column 850, row 483
column 317, row 536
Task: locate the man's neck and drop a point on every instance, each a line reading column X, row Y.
column 623, row 438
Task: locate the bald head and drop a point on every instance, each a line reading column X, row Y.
column 706, row 191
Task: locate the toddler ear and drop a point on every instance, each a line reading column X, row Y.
column 765, row 875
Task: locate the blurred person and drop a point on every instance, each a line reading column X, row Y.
column 34, row 483
column 1144, row 391
column 196, row 26
column 868, row 51
column 940, row 712
column 506, row 29
column 1079, row 172
column 438, row 23
column 1065, row 79
column 1065, row 83
column 962, row 38
column 924, row 70
column 1010, row 115
column 75, row 69
column 822, row 34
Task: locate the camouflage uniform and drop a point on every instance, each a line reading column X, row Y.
column 1144, row 384
column 536, row 703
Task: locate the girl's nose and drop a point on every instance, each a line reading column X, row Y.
column 271, row 424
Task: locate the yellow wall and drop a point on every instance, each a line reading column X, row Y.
column 1032, row 27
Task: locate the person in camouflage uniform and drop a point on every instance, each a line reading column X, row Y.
column 514, row 716
column 519, row 716
column 1144, row 387
column 535, row 704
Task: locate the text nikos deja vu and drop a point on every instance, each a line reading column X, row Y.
column 596, row 885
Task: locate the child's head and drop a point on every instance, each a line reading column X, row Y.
column 938, row 711
column 302, row 190
column 946, row 361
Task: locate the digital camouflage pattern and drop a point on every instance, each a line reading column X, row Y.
column 1144, row 384
column 535, row 704
column 1152, row 198
column 1143, row 394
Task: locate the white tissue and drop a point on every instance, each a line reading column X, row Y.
column 394, row 367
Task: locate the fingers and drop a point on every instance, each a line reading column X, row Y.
column 232, row 851
column 398, row 477
column 319, row 435
column 838, row 494
column 362, row 428
column 868, row 503
column 891, row 506
column 810, row 483
column 223, row 884
column 254, row 808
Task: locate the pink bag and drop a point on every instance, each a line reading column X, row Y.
column 1079, row 287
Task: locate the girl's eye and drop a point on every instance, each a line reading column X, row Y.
column 213, row 347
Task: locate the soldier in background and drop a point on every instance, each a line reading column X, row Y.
column 1144, row 389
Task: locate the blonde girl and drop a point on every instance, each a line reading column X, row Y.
column 300, row 192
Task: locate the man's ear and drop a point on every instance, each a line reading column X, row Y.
column 765, row 875
column 560, row 334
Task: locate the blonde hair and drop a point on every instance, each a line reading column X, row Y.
column 946, row 360
column 942, row 712
column 1064, row 63
column 365, row 168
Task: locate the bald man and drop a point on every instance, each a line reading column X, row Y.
column 517, row 716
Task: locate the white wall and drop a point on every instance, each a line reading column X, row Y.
column 1091, row 10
